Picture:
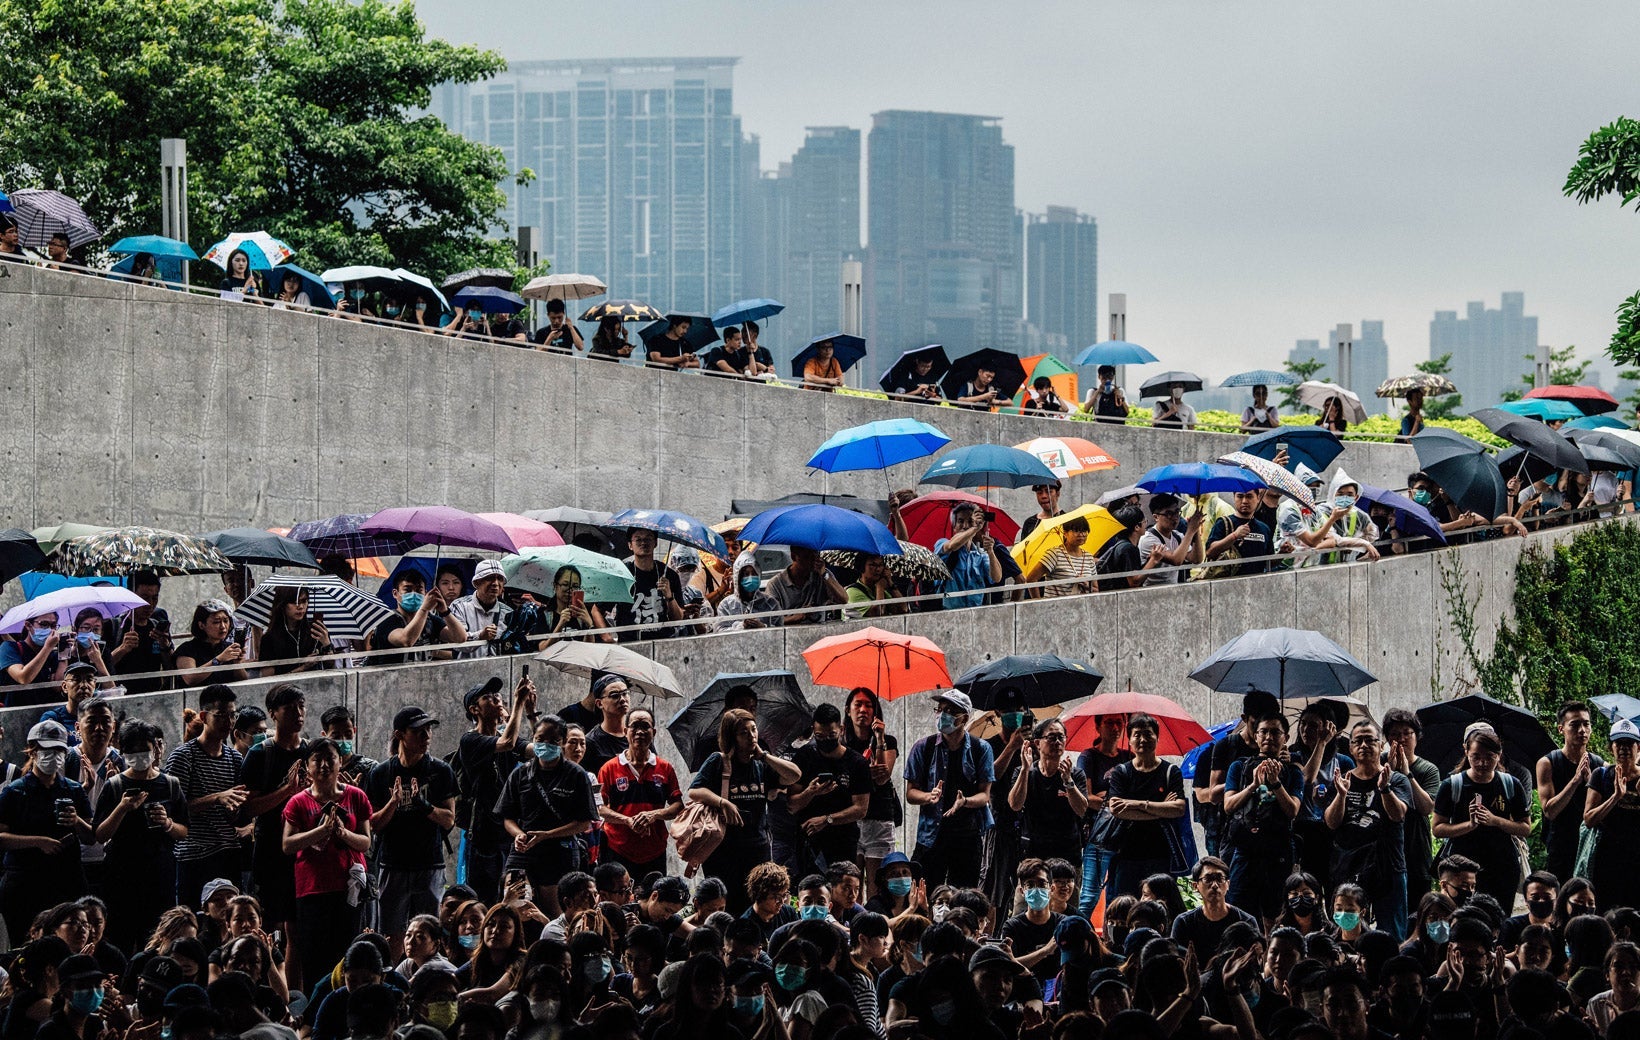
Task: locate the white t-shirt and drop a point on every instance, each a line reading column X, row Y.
column 1152, row 540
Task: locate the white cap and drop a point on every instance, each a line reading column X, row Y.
column 488, row 569
column 1625, row 729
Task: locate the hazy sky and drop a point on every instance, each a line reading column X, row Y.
column 1260, row 171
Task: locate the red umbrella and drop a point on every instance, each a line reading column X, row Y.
column 1591, row 399
column 888, row 663
column 928, row 518
column 1179, row 730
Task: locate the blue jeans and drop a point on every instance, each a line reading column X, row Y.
column 1095, row 865
column 1390, row 909
column 1126, row 875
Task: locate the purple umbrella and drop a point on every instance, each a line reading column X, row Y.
column 440, row 525
column 1410, row 517
column 340, row 536
column 107, row 600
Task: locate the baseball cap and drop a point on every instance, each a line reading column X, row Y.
column 956, row 699
column 162, row 972
column 490, row 685
column 80, row 968
column 188, row 994
column 1484, row 730
column 81, row 668
column 993, row 956
column 48, row 734
column 214, row 886
column 412, row 718
column 1625, row 729
column 488, row 569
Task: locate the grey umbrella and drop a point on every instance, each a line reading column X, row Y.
column 1160, row 386
column 1288, row 662
column 1534, row 436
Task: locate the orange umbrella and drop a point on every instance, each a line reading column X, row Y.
column 889, row 664
column 1179, row 730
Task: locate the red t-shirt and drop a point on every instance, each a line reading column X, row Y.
column 630, row 791
column 324, row 869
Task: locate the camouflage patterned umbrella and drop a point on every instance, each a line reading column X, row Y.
column 126, row 550
column 626, row 310
column 914, row 563
column 1432, row 385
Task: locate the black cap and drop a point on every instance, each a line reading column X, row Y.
column 162, row 972
column 81, row 668
column 490, row 685
column 376, row 1001
column 80, row 968
column 412, row 718
column 995, row 956
column 187, row 995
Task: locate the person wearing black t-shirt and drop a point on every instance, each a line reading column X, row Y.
column 544, row 806
column 422, row 618
column 1120, row 556
column 1050, row 794
column 608, row 739
column 831, row 796
column 657, row 592
column 864, row 732
column 1239, row 743
column 1032, row 932
column 1482, row 810
column 1261, row 796
column 1096, row 763
column 139, row 816
column 559, row 333
column 413, row 798
column 1203, row 927
column 274, row 773
column 487, row 754
column 1147, row 796
column 1239, row 536
column 1563, row 783
column 754, row 778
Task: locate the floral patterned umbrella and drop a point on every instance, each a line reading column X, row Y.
column 914, row 563
column 1432, row 385
column 1277, row 477
column 124, row 551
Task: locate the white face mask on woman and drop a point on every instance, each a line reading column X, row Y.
column 50, row 762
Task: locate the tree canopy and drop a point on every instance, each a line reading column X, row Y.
column 1608, row 163
column 301, row 118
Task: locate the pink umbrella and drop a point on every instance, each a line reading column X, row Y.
column 523, row 531
column 441, row 526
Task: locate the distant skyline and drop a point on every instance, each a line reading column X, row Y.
column 1258, row 170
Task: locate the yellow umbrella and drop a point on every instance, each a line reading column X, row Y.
column 1101, row 526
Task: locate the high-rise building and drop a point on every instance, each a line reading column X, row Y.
column 943, row 263
column 1305, row 349
column 824, row 231
column 641, row 169
column 1369, row 366
column 1062, row 275
column 1490, row 348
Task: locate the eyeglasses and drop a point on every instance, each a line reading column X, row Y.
column 1214, row 879
column 1174, row 513
column 1363, row 741
column 1053, row 738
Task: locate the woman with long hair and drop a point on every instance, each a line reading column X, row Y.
column 569, row 616
column 498, row 962
column 1332, row 415
column 739, row 779
column 292, row 634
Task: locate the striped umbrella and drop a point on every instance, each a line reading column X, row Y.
column 124, row 551
column 626, row 310
column 347, row 611
column 1279, row 478
column 40, row 214
column 340, row 536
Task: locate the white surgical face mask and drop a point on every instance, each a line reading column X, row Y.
column 50, row 762
column 139, row 761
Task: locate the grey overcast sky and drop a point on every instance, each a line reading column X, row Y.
column 1260, row 171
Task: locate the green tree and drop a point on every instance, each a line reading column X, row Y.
column 1608, row 163
column 1631, row 375
column 1446, row 406
column 1564, row 370
column 1309, row 368
column 298, row 116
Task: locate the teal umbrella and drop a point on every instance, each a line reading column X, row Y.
column 155, row 245
column 1541, row 408
column 604, row 579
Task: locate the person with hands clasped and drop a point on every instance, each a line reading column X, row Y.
column 209, row 769
column 639, row 793
column 1316, row 752
column 1051, row 796
column 949, row 775
column 325, row 828
column 544, row 806
column 1562, row 785
column 1612, row 808
column 422, row 618
column 1364, row 816
column 739, row 779
column 275, row 772
column 413, row 800
column 1483, row 809
column 44, row 818
column 1261, row 796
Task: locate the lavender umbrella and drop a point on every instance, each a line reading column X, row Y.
column 108, row 600
column 441, row 526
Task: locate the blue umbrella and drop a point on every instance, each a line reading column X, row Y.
column 1617, row 705
column 155, row 245
column 168, row 268
column 1261, row 377
column 1595, row 422
column 5, row 203
column 878, row 445
column 820, row 527
column 341, row 535
column 1314, row 446
column 1288, row 662
column 1194, row 755
column 1410, row 517
column 1199, row 478
column 674, row 527
column 847, row 349
column 989, row 465
column 1544, row 408
column 489, row 300
column 742, row 311
column 1115, row 352
column 318, row 293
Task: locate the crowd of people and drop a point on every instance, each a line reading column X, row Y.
column 1315, row 877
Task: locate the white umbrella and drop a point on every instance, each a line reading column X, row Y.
column 375, row 277
column 425, row 283
column 563, row 287
column 1313, row 394
column 588, row 659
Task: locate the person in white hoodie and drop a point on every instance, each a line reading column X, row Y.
column 1351, row 526
column 746, row 596
column 1306, row 533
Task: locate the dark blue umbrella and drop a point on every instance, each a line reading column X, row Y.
column 742, row 311
column 1314, row 446
column 702, row 333
column 1115, row 352
column 903, row 370
column 1464, row 469
column 783, row 714
column 318, row 292
column 1410, row 517
column 988, row 465
column 674, row 527
column 427, row 568
column 488, row 299
column 1199, row 478
column 878, row 445
column 848, row 350
column 1041, row 679
column 5, row 203
column 820, row 527
column 1194, row 755
column 340, row 535
column 1288, row 662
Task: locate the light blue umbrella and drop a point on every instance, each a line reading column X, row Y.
column 262, row 249
column 989, row 465
column 319, row 294
column 674, row 527
column 155, row 245
column 742, row 311
column 1543, row 408
column 1261, row 377
column 820, row 527
column 878, row 445
column 1617, row 705
column 1115, row 352
column 1199, row 478
column 1288, row 662
column 1595, row 422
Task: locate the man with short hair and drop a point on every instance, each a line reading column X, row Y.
column 57, row 250
column 831, row 796
column 1366, row 813
column 1120, row 557
column 546, row 805
column 1563, row 784
column 917, row 384
column 1239, row 536
column 577, row 893
column 275, row 772
column 1260, row 798
column 1164, row 545
column 608, row 739
column 209, row 769
column 1096, row 763
column 487, row 754
column 420, row 620
column 806, row 582
column 1457, row 878
column 79, row 686
column 731, row 357
column 1031, row 933
column 971, row 555
column 482, row 613
column 670, row 349
column 1202, row 928
column 413, row 802
column 1402, row 729
column 141, row 640
column 1541, row 889
column 1106, row 401
column 657, row 592
column 1047, row 507
column 762, row 361
column 949, row 775
column 10, row 246
column 558, row 333
column 1344, row 1005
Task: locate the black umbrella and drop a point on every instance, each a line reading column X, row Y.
column 784, row 715
column 19, row 554
column 1042, row 679
column 1522, row 463
column 702, row 333
column 1162, row 385
column 1626, row 451
column 1524, row 737
column 1534, row 436
column 903, row 371
column 1010, row 371
column 489, row 277
column 875, row 508
column 246, row 545
column 1464, row 469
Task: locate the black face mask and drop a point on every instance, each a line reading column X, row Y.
column 826, row 745
column 1541, row 908
column 150, row 1002
column 1303, row 906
